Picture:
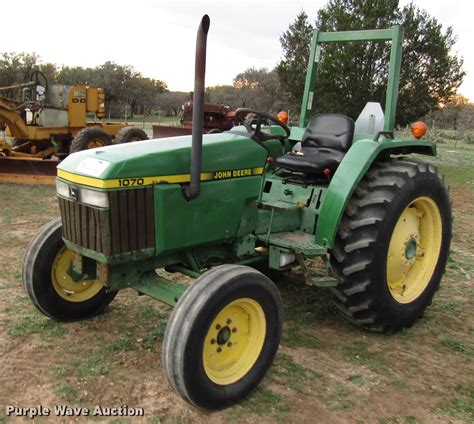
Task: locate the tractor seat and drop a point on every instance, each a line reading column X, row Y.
column 325, row 142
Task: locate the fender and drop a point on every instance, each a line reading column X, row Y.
column 353, row 167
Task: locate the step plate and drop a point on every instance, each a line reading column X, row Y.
column 296, row 241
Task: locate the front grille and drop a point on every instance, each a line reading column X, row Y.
column 127, row 226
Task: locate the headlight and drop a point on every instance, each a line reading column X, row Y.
column 96, row 198
column 62, row 188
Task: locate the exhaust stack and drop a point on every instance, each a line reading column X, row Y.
column 194, row 188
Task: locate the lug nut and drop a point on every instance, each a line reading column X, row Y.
column 219, row 350
column 213, row 341
column 234, row 330
column 229, row 321
column 218, row 327
column 229, row 344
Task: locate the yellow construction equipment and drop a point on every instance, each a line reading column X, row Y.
column 44, row 124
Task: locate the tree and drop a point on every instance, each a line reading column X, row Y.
column 170, row 102
column 351, row 74
column 259, row 89
column 76, row 75
column 292, row 69
column 263, row 88
column 457, row 114
column 123, row 85
column 16, row 68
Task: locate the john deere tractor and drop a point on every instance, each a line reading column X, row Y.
column 218, row 206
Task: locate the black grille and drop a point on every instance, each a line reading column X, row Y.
column 127, row 226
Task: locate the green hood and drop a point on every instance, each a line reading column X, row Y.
column 163, row 157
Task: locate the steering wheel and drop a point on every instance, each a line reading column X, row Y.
column 256, row 133
column 39, row 78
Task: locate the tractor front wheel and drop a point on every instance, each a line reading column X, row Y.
column 48, row 284
column 392, row 245
column 222, row 336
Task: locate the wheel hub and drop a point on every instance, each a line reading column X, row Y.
column 223, row 336
column 410, row 249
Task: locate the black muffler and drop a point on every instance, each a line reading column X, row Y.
column 194, row 188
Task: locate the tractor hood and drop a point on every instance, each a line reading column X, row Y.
column 166, row 160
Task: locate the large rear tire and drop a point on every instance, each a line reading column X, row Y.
column 222, row 336
column 392, row 245
column 89, row 138
column 48, row 285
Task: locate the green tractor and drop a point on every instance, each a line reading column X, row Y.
column 220, row 206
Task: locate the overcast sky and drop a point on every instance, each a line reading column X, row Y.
column 157, row 37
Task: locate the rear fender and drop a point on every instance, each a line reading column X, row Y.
column 353, row 167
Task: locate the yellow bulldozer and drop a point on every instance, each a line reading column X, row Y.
column 42, row 124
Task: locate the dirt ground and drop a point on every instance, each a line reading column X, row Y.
column 325, row 371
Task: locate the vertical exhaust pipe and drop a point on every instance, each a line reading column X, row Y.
column 194, row 188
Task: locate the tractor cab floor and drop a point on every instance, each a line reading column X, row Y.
column 296, row 241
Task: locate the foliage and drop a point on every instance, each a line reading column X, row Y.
column 123, row 85
column 170, row 102
column 292, row 69
column 255, row 88
column 351, row 74
column 457, row 114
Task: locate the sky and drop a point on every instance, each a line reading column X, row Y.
column 157, row 37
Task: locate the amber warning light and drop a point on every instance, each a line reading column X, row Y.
column 283, row 116
column 418, row 129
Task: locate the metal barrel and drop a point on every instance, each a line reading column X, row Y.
column 194, row 188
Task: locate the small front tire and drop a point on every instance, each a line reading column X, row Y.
column 48, row 285
column 222, row 336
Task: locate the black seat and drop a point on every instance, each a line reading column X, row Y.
column 325, row 142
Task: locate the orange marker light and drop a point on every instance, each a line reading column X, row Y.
column 283, row 116
column 418, row 129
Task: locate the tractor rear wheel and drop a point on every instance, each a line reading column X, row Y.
column 89, row 138
column 222, row 336
column 392, row 245
column 128, row 134
column 50, row 287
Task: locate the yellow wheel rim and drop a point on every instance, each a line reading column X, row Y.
column 414, row 249
column 234, row 341
column 63, row 284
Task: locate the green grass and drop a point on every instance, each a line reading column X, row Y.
column 25, row 326
column 356, row 379
column 154, row 336
column 460, row 405
column 91, row 365
column 68, row 392
column 151, row 119
column 457, row 346
column 288, row 373
column 458, row 176
column 125, row 343
column 265, row 401
column 360, row 352
column 295, row 336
